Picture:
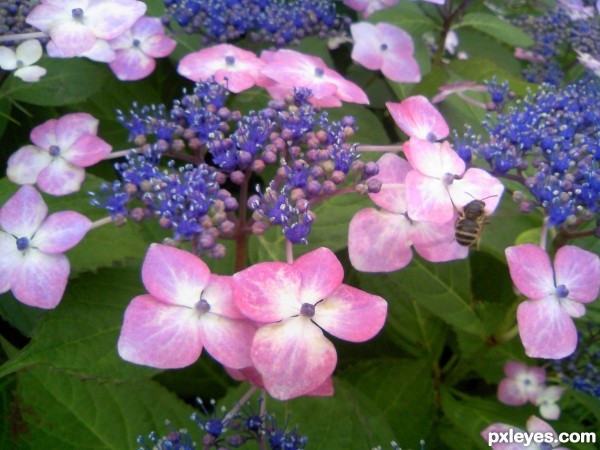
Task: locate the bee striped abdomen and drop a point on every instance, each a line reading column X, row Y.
column 467, row 231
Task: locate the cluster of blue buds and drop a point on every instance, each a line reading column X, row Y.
column 560, row 34
column 12, row 18
column 581, row 370
column 279, row 23
column 549, row 142
column 225, row 433
column 224, row 154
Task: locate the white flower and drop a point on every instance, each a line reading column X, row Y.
column 547, row 400
column 22, row 60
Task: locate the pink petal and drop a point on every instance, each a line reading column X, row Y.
column 395, row 37
column 44, row 16
column 23, row 213
column 268, row 292
column 418, row 118
column 44, row 135
column 60, row 178
column 501, row 428
column 436, row 242
column 477, row 184
column 379, row 241
column 536, row 425
column 433, row 159
column 109, row 19
column 100, row 52
column 41, row 279
column 249, row 374
column 72, row 38
column 61, row 231
column 132, row 64
column 572, row 308
column 512, row 369
column 71, row 127
column 427, row 199
column 510, row 393
column 546, row 330
column 579, row 271
column 402, row 68
column 25, row 165
column 159, row 335
column 174, row 276
column 530, row 270
column 351, row 314
column 321, row 273
column 325, row 390
column 10, row 260
column 293, row 357
column 227, row 340
column 158, row 46
column 87, row 151
column 366, row 49
column 392, row 173
column 147, row 27
column 219, row 294
column 351, row 92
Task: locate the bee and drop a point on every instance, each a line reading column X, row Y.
column 470, row 223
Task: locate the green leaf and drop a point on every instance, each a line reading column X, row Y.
column 67, row 81
column 408, row 16
column 22, row 317
column 5, row 108
column 497, row 28
column 59, row 410
column 403, row 390
column 370, row 129
column 80, row 336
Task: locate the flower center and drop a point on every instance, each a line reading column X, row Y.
column 202, row 306
column 22, row 244
column 448, row 178
column 307, row 310
column 77, row 13
column 562, row 291
column 136, row 43
column 54, row 150
column 319, row 72
column 383, row 47
column 229, row 60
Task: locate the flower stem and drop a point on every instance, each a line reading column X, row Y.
column 379, row 148
column 239, row 404
column 100, row 222
column 289, row 251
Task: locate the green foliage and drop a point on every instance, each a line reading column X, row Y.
column 497, row 28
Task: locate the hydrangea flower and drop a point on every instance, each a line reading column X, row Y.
column 380, row 241
column 534, row 425
column 522, row 383
column 547, row 400
column 74, row 25
column 187, row 309
column 368, row 7
column 62, row 148
column 554, row 296
column 287, row 69
column 32, row 263
column 238, row 69
column 22, row 60
column 136, row 49
column 296, row 302
column 418, row 118
column 385, row 47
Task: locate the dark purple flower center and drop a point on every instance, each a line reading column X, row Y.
column 54, row 150
column 136, row 43
column 77, row 13
column 448, row 178
column 319, row 72
column 22, row 243
column 383, row 47
column 307, row 310
column 229, row 60
column 562, row 291
column 202, row 306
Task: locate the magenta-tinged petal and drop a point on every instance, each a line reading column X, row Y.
column 321, row 274
column 325, row 390
column 44, row 135
column 268, row 292
column 132, row 64
column 546, row 330
column 44, row 16
column 227, row 340
column 41, row 279
column 71, row 127
column 10, row 260
column 433, row 159
column 174, row 276
column 25, row 165
column 72, row 38
column 499, row 429
column 536, row 425
column 436, row 242
column 61, row 231
column 351, row 92
column 23, row 213
column 510, row 393
column 392, row 173
column 513, row 369
column 351, row 314
column 402, row 68
column 219, row 295
column 249, row 374
column 477, row 184
column 427, row 199
column 418, row 118
column 396, row 39
column 109, row 19
column 293, row 357
column 159, row 335
column 366, row 49
column 87, row 151
column 60, row 178
column 100, row 52
column 379, row 241
column 530, row 270
column 579, row 271
column 158, row 46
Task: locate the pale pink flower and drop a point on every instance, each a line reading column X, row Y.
column 101, row 51
column 285, row 70
column 237, row 68
column 459, row 89
column 494, row 434
column 380, row 241
column 418, row 118
column 522, row 384
column 74, row 25
column 63, row 147
column 22, row 60
column 137, row 48
column 295, row 302
column 554, row 297
column 32, row 261
column 368, row 7
column 187, row 309
column 547, row 400
column 439, row 184
column 387, row 48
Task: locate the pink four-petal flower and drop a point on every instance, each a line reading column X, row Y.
column 32, row 263
column 418, row 118
column 296, row 302
column 63, row 147
column 187, row 309
column 368, row 7
column 533, row 425
column 554, row 296
column 522, row 383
